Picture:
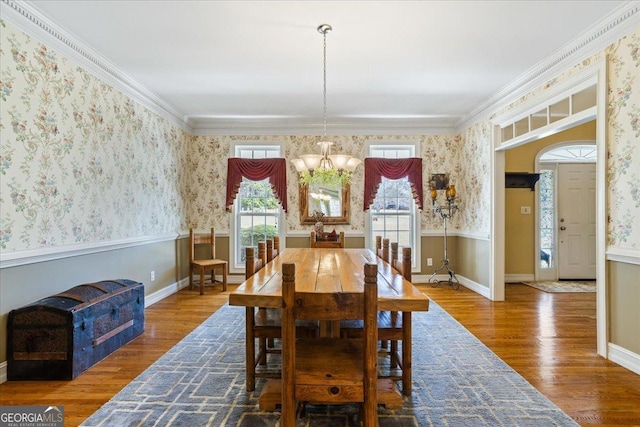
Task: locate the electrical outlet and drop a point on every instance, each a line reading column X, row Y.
column 525, row 210
column 429, row 261
column 153, row 276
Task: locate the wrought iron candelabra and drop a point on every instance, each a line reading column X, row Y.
column 445, row 211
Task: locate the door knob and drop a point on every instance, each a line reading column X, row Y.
column 563, row 228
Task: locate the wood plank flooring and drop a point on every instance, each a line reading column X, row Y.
column 550, row 339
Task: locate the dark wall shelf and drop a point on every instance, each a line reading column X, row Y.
column 521, row 180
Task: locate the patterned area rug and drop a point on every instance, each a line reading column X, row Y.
column 457, row 381
column 564, row 286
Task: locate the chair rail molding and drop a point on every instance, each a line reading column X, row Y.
column 628, row 256
column 32, row 256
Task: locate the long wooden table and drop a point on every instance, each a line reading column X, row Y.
column 335, row 270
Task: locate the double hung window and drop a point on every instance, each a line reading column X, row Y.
column 393, row 214
column 256, row 210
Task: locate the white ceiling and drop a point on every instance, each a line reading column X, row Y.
column 244, row 64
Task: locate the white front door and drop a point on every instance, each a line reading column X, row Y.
column 576, row 221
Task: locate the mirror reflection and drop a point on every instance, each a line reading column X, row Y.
column 332, row 199
column 326, row 199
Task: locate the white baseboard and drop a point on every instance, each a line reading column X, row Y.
column 475, row 287
column 420, row 278
column 175, row 287
column 467, row 283
column 165, row 292
column 624, row 358
column 517, row 278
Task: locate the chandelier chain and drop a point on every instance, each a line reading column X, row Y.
column 324, row 92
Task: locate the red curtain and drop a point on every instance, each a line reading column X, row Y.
column 376, row 168
column 257, row 170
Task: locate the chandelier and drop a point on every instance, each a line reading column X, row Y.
column 342, row 163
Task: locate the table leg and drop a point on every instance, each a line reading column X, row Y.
column 406, row 353
column 250, row 350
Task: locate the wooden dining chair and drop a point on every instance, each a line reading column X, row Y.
column 315, row 243
column 391, row 325
column 272, row 252
column 382, row 248
column 252, row 263
column 261, row 324
column 276, row 246
column 391, row 329
column 402, row 265
column 207, row 264
column 327, row 370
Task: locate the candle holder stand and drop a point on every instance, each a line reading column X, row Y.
column 446, row 212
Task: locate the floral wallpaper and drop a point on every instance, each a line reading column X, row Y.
column 623, row 143
column 475, row 180
column 209, row 164
column 80, row 161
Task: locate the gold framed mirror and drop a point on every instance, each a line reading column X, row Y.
column 332, row 199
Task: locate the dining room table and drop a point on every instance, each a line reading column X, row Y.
column 335, row 270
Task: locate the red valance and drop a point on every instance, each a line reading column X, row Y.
column 257, row 170
column 376, row 168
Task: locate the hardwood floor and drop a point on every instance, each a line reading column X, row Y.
column 550, row 339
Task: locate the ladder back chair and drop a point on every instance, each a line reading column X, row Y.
column 391, row 329
column 207, row 264
column 390, row 324
column 263, row 324
column 328, row 370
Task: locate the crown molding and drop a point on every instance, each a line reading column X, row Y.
column 31, row 21
column 596, row 38
column 208, row 126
